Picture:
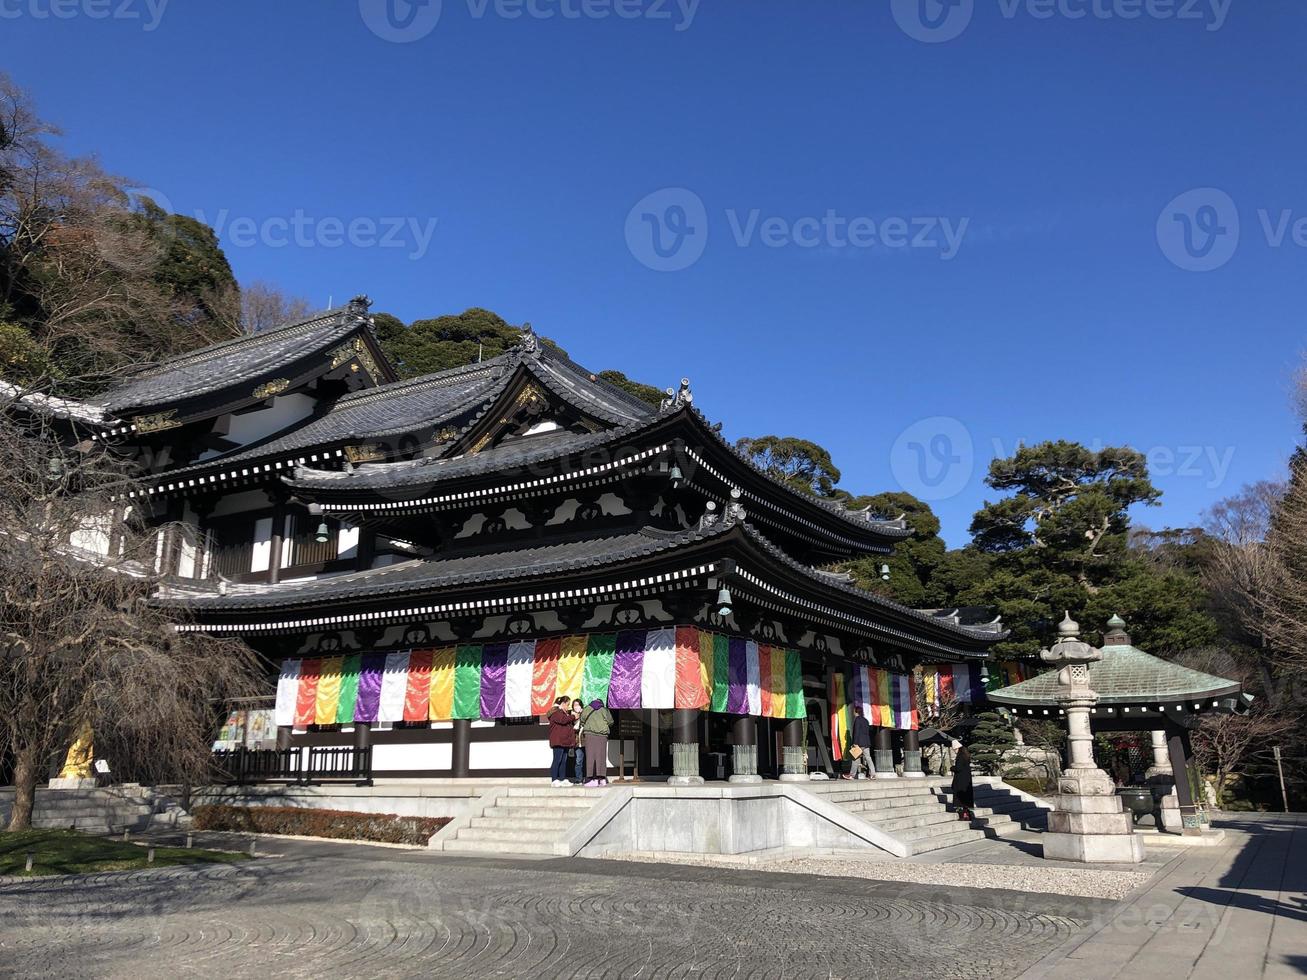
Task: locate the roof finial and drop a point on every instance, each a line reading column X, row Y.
column 359, row 305
column 735, row 509
column 530, row 343
column 677, row 397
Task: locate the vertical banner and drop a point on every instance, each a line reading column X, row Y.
column 571, row 667
column 753, row 673
column 737, row 697
column 417, row 694
column 518, row 678
column 721, row 672
column 394, row 687
column 795, row 708
column 467, row 682
column 369, row 702
column 442, row 684
column 544, row 677
column 600, row 650
column 328, row 691
column 288, row 686
column 658, row 672
column 494, row 675
column 628, row 666
column 349, row 689
column 690, row 672
column 306, row 701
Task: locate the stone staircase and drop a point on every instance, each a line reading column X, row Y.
column 519, row 820
column 100, row 811
column 918, row 812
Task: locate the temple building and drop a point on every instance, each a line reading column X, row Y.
column 426, row 564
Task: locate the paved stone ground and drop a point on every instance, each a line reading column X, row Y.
column 348, row 911
column 1237, row 911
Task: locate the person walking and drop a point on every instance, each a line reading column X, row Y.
column 579, row 752
column 596, row 725
column 860, row 747
column 562, row 737
column 964, row 794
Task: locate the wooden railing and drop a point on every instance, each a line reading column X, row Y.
column 304, row 766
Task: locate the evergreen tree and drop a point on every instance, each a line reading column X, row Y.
column 991, row 737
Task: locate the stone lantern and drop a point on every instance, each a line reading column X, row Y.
column 1089, row 823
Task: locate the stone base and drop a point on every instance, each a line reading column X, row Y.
column 1093, row 848
column 72, row 782
column 744, row 778
column 685, row 780
column 795, row 777
column 914, row 775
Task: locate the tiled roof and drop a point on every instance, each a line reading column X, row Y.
column 232, row 362
column 422, row 575
column 1125, row 675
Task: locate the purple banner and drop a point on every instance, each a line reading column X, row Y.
column 369, row 700
column 494, row 674
column 737, row 693
column 628, row 663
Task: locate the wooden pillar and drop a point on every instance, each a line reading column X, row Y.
column 367, row 550
column 883, row 752
column 912, row 754
column 1178, row 749
column 277, row 539
column 685, row 747
column 460, row 759
column 794, row 754
column 744, row 750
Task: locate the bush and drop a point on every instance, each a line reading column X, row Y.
column 991, row 737
column 1033, row 786
column 387, row 828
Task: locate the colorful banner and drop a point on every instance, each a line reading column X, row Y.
column 673, row 667
column 958, row 682
column 887, row 700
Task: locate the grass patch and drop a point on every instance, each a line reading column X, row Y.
column 67, row 852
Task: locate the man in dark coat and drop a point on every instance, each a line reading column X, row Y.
column 860, row 735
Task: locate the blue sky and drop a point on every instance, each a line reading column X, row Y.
column 913, row 233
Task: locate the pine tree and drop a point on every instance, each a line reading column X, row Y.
column 991, row 737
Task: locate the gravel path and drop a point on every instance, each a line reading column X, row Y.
column 1113, row 885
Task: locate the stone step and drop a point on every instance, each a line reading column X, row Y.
column 963, row 835
column 560, row 799
column 552, row 824
column 498, row 847
column 511, row 835
column 897, row 824
column 565, row 813
column 875, row 812
column 569, row 791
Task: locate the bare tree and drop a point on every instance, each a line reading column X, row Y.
column 1227, row 746
column 82, row 648
column 263, row 306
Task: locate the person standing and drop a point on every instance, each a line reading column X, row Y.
column 860, row 739
column 964, row 794
column 596, row 725
column 579, row 752
column 562, row 737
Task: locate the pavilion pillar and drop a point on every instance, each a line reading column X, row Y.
column 744, row 750
column 362, row 735
column 460, row 763
column 685, row 748
column 794, row 754
column 1178, row 749
column 1161, row 756
column 882, row 752
column 283, row 737
column 912, row 755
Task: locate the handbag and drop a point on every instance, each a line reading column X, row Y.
column 855, row 751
